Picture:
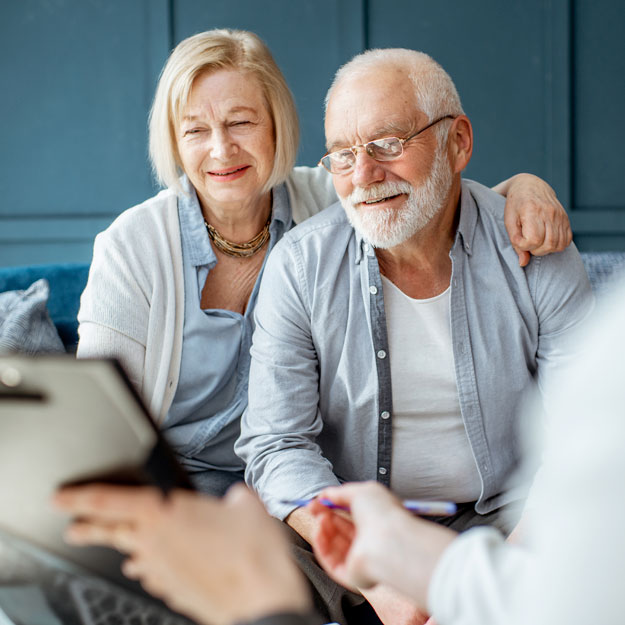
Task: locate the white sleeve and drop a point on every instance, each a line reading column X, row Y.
column 477, row 579
column 98, row 341
column 114, row 311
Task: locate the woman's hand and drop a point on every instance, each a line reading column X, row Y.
column 535, row 220
column 218, row 561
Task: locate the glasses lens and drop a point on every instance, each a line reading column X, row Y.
column 338, row 162
column 385, row 149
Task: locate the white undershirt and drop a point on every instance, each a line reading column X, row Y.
column 432, row 458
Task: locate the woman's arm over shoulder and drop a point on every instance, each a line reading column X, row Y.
column 310, row 191
column 536, row 222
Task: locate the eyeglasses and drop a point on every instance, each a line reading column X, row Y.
column 386, row 149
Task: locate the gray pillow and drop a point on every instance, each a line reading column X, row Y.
column 25, row 325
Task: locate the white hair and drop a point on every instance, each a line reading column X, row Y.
column 434, row 89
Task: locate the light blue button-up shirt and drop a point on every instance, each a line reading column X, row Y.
column 320, row 401
column 203, row 421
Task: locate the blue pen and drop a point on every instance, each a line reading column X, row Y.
column 422, row 508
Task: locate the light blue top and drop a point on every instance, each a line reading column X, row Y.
column 203, row 421
column 320, row 404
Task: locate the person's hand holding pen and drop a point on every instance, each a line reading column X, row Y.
column 380, row 543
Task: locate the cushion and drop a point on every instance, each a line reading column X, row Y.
column 604, row 269
column 67, row 281
column 25, row 325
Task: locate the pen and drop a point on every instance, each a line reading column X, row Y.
column 423, row 508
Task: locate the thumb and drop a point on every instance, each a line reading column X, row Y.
column 524, row 256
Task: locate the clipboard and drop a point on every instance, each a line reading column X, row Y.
column 65, row 421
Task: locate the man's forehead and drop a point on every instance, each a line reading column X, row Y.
column 370, row 106
column 344, row 137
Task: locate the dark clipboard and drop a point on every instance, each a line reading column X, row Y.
column 66, row 421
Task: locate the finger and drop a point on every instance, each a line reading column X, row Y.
column 333, row 538
column 513, row 225
column 344, row 495
column 135, row 568
column 566, row 235
column 532, row 235
column 107, row 503
column 524, row 257
column 549, row 243
column 239, row 492
column 317, row 508
column 240, row 497
column 564, row 232
column 569, row 234
column 131, row 568
column 120, row 536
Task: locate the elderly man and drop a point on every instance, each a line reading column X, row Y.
column 396, row 334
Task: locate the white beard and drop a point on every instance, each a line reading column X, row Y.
column 387, row 227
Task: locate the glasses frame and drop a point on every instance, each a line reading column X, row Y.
column 354, row 148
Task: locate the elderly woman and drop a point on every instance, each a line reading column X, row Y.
column 173, row 282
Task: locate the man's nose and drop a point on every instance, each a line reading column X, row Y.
column 366, row 170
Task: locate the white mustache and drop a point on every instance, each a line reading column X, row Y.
column 378, row 192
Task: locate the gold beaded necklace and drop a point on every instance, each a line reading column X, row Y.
column 239, row 250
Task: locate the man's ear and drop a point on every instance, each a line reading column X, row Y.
column 460, row 143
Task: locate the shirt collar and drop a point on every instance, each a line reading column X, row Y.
column 193, row 229
column 363, row 247
column 468, row 219
column 281, row 206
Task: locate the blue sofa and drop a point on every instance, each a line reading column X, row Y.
column 67, row 282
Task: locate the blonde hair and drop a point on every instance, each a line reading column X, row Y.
column 211, row 51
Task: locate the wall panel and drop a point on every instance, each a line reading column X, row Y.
column 79, row 77
column 598, row 98
column 309, row 40
column 540, row 79
column 496, row 57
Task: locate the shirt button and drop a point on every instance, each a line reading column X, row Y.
column 385, row 414
column 381, row 354
column 455, row 283
column 485, row 467
column 373, row 289
column 382, row 471
column 366, row 247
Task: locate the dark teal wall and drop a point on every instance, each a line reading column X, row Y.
column 542, row 81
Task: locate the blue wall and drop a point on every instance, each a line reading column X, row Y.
column 542, row 81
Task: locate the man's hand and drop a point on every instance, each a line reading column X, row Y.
column 219, row 561
column 535, row 220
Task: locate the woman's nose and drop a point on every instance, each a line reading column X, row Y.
column 222, row 145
